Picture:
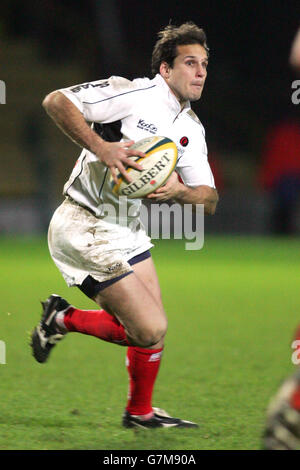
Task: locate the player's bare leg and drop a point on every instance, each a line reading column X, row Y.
column 140, row 322
column 136, row 301
column 135, row 305
column 146, row 272
column 143, row 317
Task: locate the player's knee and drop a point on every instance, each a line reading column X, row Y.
column 152, row 334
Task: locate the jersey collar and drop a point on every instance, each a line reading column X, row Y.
column 172, row 100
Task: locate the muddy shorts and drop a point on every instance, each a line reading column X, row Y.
column 85, row 247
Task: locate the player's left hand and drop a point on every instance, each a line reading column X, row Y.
column 169, row 191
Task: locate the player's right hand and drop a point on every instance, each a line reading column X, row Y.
column 115, row 155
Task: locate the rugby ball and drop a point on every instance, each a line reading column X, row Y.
column 158, row 164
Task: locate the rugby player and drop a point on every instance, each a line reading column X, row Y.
column 282, row 427
column 105, row 257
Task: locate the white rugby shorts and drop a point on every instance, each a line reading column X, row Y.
column 83, row 245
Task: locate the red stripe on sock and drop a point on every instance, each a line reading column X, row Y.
column 97, row 323
column 142, row 365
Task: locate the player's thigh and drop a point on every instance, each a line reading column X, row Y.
column 146, row 272
column 136, row 308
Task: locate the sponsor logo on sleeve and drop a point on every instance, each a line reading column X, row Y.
column 85, row 86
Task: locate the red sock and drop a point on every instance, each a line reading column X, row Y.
column 295, row 399
column 97, row 323
column 142, row 365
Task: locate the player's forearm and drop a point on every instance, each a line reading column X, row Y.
column 70, row 120
column 200, row 195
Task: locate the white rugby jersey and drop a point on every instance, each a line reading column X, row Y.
column 120, row 109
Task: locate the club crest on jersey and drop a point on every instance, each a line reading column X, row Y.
column 184, row 141
column 147, row 127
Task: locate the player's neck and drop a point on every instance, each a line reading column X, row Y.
column 182, row 102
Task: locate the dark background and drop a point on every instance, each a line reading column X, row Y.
column 52, row 44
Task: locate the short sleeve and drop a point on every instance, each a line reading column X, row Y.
column 193, row 166
column 103, row 100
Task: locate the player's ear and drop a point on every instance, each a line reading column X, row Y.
column 164, row 70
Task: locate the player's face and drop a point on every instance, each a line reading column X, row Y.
column 187, row 76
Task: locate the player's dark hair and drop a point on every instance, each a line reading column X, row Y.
column 165, row 49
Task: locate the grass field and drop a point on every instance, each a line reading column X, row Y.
column 232, row 309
